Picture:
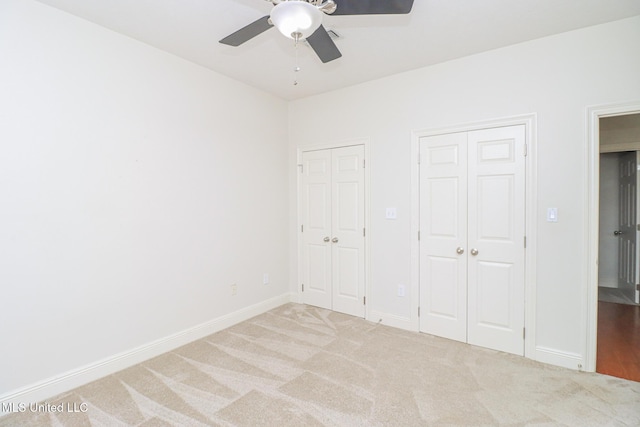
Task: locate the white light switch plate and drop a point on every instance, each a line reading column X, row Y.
column 391, row 213
column 401, row 290
column 552, row 214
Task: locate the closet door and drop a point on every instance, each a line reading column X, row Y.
column 443, row 231
column 316, row 231
column 472, row 237
column 333, row 250
column 347, row 237
column 496, row 233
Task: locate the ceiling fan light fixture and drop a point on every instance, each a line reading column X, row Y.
column 296, row 19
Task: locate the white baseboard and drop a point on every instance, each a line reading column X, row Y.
column 77, row 377
column 560, row 358
column 608, row 284
column 296, row 297
column 399, row 322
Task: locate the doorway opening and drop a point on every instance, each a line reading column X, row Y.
column 618, row 349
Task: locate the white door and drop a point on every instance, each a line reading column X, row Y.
column 443, row 236
column 316, row 228
column 496, row 238
column 637, row 233
column 627, row 232
column 333, row 250
column 472, row 237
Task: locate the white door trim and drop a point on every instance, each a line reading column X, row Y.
column 365, row 141
column 530, row 123
column 589, row 322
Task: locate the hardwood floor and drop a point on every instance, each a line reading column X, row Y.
column 618, row 340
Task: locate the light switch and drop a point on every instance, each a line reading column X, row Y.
column 391, row 213
column 552, row 214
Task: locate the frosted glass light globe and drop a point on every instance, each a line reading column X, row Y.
column 295, row 17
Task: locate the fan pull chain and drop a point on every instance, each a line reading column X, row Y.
column 296, row 69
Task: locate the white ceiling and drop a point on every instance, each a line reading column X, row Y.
column 372, row 46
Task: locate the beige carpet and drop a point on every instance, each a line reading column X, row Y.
column 302, row 366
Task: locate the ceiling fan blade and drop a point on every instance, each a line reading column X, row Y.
column 247, row 33
column 372, row 7
column 321, row 43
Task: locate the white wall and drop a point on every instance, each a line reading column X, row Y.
column 135, row 188
column 609, row 210
column 556, row 78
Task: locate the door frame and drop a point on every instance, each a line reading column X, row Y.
column 364, row 141
column 530, row 123
column 592, row 159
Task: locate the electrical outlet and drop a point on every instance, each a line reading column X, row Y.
column 234, row 289
column 400, row 290
column 265, row 279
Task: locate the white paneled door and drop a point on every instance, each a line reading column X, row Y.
column 443, row 236
column 332, row 229
column 627, row 232
column 472, row 244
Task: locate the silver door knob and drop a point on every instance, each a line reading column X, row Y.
column 459, row 251
column 334, row 240
column 617, row 233
column 474, row 252
column 326, row 239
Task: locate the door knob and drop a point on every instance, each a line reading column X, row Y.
column 334, row 240
column 326, row 239
column 474, row 252
column 459, row 251
column 617, row 233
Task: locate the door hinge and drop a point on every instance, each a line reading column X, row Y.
column 418, row 311
column 418, row 158
column 418, row 234
column 364, row 232
column 638, row 287
column 525, row 241
column 364, row 300
column 364, row 163
column 523, row 333
column 303, row 287
column 525, row 150
column 302, row 228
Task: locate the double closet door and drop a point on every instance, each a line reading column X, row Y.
column 472, row 237
column 332, row 229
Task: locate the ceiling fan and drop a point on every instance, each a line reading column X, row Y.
column 302, row 19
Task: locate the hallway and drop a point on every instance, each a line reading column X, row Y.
column 618, row 340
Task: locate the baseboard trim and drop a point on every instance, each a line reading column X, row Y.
column 77, row 377
column 392, row 320
column 560, row 358
column 608, row 284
